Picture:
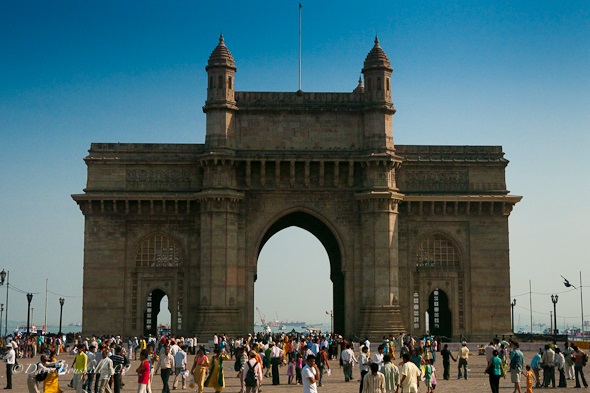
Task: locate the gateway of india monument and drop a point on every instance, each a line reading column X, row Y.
column 417, row 236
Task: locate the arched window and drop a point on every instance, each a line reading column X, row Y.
column 229, row 83
column 158, row 250
column 220, row 81
column 211, row 82
column 438, row 251
column 387, row 84
column 379, row 84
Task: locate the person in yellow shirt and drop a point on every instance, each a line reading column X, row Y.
column 79, row 365
column 463, row 356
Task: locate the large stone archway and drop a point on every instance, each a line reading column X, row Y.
column 325, row 162
column 314, row 225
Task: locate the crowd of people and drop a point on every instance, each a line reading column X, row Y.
column 503, row 358
column 305, row 359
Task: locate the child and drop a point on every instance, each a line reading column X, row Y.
column 298, row 367
column 530, row 378
column 291, row 368
column 433, row 379
column 428, row 376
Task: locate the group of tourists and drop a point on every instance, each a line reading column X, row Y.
column 305, row 359
column 569, row 362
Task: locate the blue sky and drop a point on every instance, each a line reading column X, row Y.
column 510, row 73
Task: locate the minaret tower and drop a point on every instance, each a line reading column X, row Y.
column 377, row 70
column 221, row 103
column 379, row 108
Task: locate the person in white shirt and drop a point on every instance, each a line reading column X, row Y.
column 252, row 363
column 378, row 357
column 276, row 358
column 179, row 367
column 410, row 376
column 364, row 364
column 348, row 360
column 106, row 370
column 310, row 375
column 391, row 374
column 374, row 382
column 10, row 359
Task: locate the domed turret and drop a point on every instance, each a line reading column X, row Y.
column 377, row 58
column 221, row 56
column 221, row 102
column 221, row 69
column 377, row 71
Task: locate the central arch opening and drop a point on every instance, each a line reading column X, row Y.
column 299, row 276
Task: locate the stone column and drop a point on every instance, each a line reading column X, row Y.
column 221, row 275
column 380, row 313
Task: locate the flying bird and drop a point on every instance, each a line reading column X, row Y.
column 567, row 283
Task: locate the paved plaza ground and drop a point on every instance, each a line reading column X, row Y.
column 477, row 382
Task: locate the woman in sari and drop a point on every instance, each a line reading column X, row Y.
column 199, row 370
column 51, row 382
column 215, row 378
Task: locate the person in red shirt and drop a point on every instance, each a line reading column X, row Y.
column 143, row 372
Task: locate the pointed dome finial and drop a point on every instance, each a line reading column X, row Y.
column 221, row 56
column 377, row 58
column 360, row 88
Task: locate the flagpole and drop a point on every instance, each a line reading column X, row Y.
column 299, row 46
column 582, row 306
column 531, row 305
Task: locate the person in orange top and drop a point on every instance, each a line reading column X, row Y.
column 530, row 378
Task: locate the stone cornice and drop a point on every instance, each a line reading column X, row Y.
column 463, row 198
column 454, row 205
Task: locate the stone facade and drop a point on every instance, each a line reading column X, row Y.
column 407, row 229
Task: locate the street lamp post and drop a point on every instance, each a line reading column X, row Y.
column 1, row 313
column 61, row 309
column 331, row 314
column 513, row 304
column 554, row 301
column 29, row 298
column 5, row 276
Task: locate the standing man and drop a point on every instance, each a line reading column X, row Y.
column 364, row 363
column 579, row 362
column 378, row 357
column 104, row 371
column 548, row 361
column 90, row 369
column 516, row 363
column 560, row 364
column 251, row 386
column 463, row 357
column 166, row 366
column 569, row 362
column 9, row 359
column 410, row 376
column 179, row 367
column 348, row 360
column 447, row 355
column 374, row 382
column 80, row 365
column 276, row 358
column 310, row 375
column 390, row 373
column 322, row 363
column 120, row 361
